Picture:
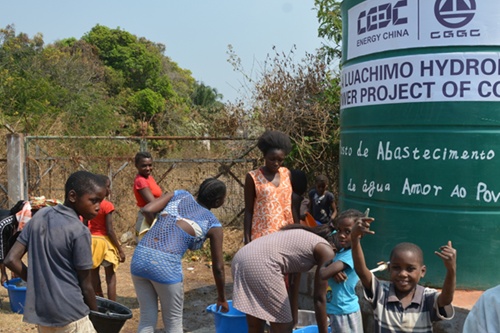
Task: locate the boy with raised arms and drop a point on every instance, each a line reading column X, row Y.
column 402, row 305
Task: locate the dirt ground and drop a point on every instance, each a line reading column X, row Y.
column 199, row 290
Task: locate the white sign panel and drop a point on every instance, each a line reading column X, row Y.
column 384, row 25
column 440, row 77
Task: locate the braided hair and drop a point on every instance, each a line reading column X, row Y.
column 210, row 191
column 270, row 140
column 348, row 214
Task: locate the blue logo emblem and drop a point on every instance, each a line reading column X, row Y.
column 454, row 13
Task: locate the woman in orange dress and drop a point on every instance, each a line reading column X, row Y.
column 268, row 189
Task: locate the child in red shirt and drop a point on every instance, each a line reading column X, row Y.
column 106, row 250
column 145, row 187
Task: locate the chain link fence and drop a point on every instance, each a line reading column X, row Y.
column 179, row 163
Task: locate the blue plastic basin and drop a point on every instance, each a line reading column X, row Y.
column 17, row 294
column 229, row 322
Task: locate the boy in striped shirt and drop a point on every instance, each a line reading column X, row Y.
column 402, row 305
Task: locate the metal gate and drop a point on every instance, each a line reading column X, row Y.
column 179, row 163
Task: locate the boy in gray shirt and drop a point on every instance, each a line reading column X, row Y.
column 59, row 289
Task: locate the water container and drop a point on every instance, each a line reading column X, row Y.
column 17, row 294
column 111, row 316
column 420, row 130
column 306, row 318
column 229, row 322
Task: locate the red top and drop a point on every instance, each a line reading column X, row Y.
column 97, row 225
column 141, row 182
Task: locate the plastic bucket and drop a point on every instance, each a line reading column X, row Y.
column 17, row 294
column 306, row 318
column 229, row 322
column 310, row 329
column 111, row 316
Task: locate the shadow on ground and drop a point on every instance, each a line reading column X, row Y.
column 196, row 301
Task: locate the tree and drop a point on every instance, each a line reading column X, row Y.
column 106, row 83
column 24, row 90
column 58, row 88
column 181, row 79
column 294, row 98
column 147, row 103
column 330, row 26
column 299, row 98
column 151, row 86
column 204, row 95
column 137, row 60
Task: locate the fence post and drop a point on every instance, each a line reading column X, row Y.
column 15, row 168
column 144, row 144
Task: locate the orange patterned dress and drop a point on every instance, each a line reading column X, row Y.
column 273, row 204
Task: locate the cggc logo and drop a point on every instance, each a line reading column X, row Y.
column 454, row 13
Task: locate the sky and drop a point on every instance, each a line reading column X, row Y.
column 196, row 33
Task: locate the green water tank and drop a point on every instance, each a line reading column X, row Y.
column 420, row 130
